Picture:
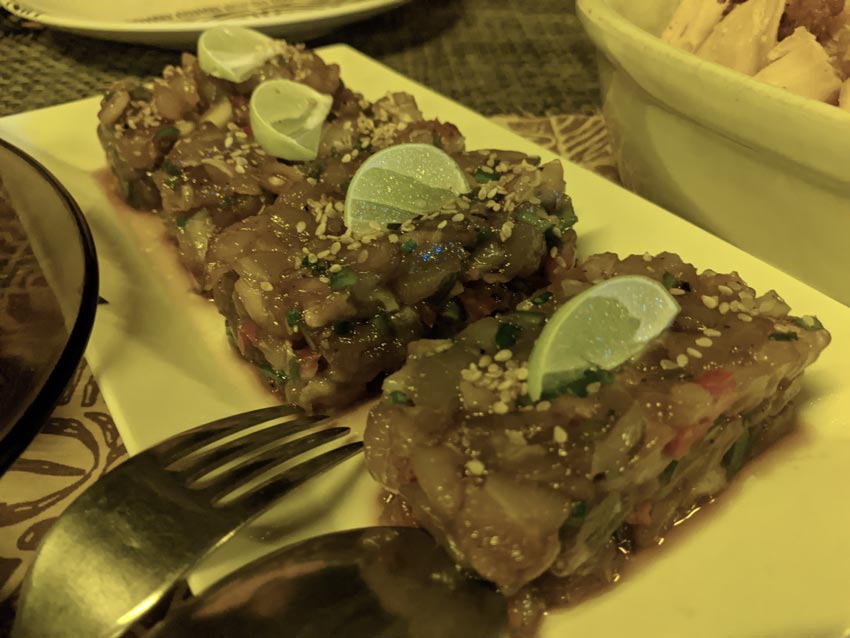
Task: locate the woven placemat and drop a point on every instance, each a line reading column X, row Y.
column 495, row 56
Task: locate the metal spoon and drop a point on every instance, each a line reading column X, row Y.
column 378, row 582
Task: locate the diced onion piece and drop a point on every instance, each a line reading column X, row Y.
column 219, row 113
column 801, row 65
column 692, row 22
column 114, row 107
column 743, row 38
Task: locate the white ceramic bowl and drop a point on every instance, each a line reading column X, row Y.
column 752, row 163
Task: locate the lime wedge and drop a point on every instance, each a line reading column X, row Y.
column 399, row 183
column 233, row 53
column 287, row 119
column 599, row 328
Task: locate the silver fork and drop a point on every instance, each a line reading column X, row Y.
column 121, row 550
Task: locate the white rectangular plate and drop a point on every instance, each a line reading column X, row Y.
column 768, row 560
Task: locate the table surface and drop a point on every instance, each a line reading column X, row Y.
column 526, row 63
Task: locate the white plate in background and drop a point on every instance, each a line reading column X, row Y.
column 178, row 23
column 769, row 560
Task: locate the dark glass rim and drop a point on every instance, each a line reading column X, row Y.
column 34, row 416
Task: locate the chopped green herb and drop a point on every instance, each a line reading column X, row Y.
column 170, row 167
column 182, row 221
column 523, row 400
column 293, row 317
column 166, row 133
column 485, row 177
column 541, row 299
column 507, row 335
column 294, row 371
column 408, row 247
column 343, row 328
column 334, row 151
column 783, row 336
column 566, row 213
column 534, row 215
column 397, row 397
column 437, row 140
column 229, row 202
column 670, row 281
column 808, row 322
column 343, row 279
column 274, row 375
column 578, row 388
column 172, row 182
column 737, row 454
column 667, row 474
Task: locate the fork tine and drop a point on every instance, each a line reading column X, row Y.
column 195, row 466
column 232, row 479
column 202, row 435
column 291, row 478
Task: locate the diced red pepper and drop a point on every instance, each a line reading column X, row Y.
column 248, row 331
column 679, row 445
column 308, row 363
column 477, row 303
column 718, row 382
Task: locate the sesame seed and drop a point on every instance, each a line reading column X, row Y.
column 475, row 467
column 693, row 352
column 346, row 158
column 711, row 332
column 335, row 268
column 500, row 407
column 543, row 406
column 239, row 169
column 666, row 364
column 393, row 238
column 723, row 308
column 363, row 256
column 726, row 290
column 682, row 360
column 265, row 285
column 704, row 342
column 522, row 374
column 677, row 292
column 301, row 226
column 471, row 374
column 710, row 301
column 503, row 355
column 559, row 434
column 593, row 388
column 457, row 217
column 275, row 181
column 647, row 257
column 485, row 361
column 442, row 224
column 743, row 316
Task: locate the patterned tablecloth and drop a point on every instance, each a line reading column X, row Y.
column 525, row 63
